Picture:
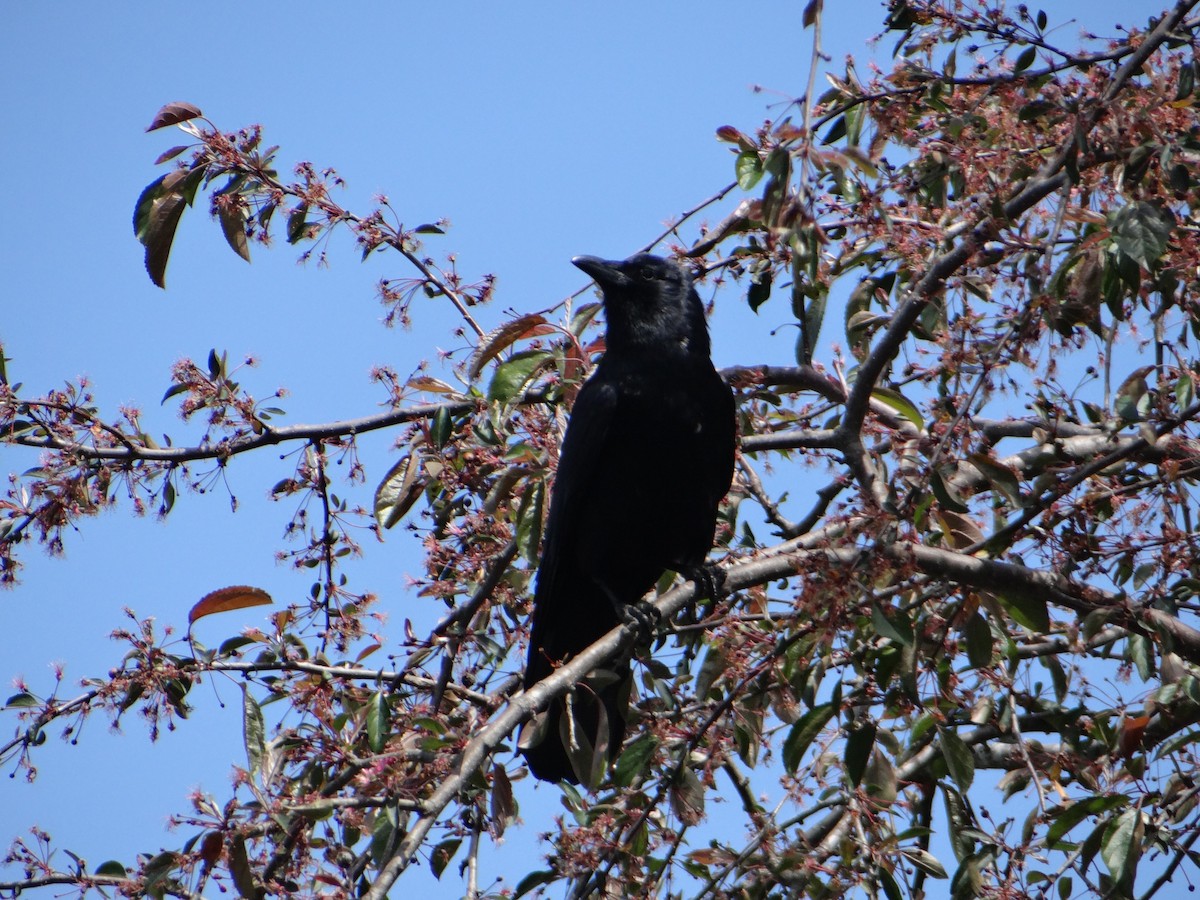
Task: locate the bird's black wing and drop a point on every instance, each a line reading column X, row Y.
column 558, row 576
column 570, row 609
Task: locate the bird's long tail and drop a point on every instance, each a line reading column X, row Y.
column 588, row 725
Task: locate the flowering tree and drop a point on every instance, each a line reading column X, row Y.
column 958, row 634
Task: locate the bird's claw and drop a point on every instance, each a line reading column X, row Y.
column 709, row 579
column 642, row 616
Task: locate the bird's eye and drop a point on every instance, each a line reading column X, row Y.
column 646, row 273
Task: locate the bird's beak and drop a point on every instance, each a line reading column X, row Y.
column 605, row 271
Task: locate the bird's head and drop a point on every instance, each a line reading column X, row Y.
column 649, row 301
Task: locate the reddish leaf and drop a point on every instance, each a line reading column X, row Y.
column 170, row 154
column 173, row 114
column 687, row 798
column 239, row 868
column 144, row 206
column 162, row 221
column 731, row 135
column 1132, row 729
column 500, row 339
column 210, row 848
column 432, row 385
column 233, row 224
column 237, row 597
column 400, row 489
column 297, row 225
column 367, row 651
column 503, row 808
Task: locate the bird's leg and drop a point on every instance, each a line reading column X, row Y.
column 642, row 616
column 709, row 579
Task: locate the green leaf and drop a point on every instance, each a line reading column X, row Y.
column 515, row 373
column 1034, row 109
column 442, row 854
column 1141, row 652
column 216, row 364
column 748, row 732
column 441, row 428
column 1025, row 60
column 1000, row 477
column 381, row 838
column 859, row 328
column 112, row 868
column 1141, row 231
column 173, row 390
column 687, row 797
column 748, row 168
column 529, row 520
column 959, row 820
column 892, row 624
column 1181, row 178
column 959, row 759
column 1028, row 611
column 1122, row 844
column 946, row 497
column 836, row 131
column 1067, row 817
column 377, row 722
column 924, row 861
column 900, row 404
column 253, row 731
column 760, row 290
column 891, row 890
column 814, row 316
column 403, row 485
column 859, row 744
column 21, row 700
column 714, row 666
column 968, row 879
column 979, row 641
column 1187, row 83
column 779, row 163
column 233, row 644
column 804, row 732
column 297, row 226
column 239, row 868
column 534, row 880
column 1177, row 743
column 1185, row 391
column 634, row 759
column 233, row 225
column 1132, row 401
column 880, row 778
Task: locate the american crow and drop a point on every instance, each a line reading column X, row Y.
column 646, row 459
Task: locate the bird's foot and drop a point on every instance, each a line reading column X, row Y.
column 709, row 579
column 641, row 616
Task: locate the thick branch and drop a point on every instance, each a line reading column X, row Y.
column 998, row 577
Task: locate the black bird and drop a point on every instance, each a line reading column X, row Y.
column 646, row 459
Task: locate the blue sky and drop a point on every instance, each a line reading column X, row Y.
column 541, row 131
